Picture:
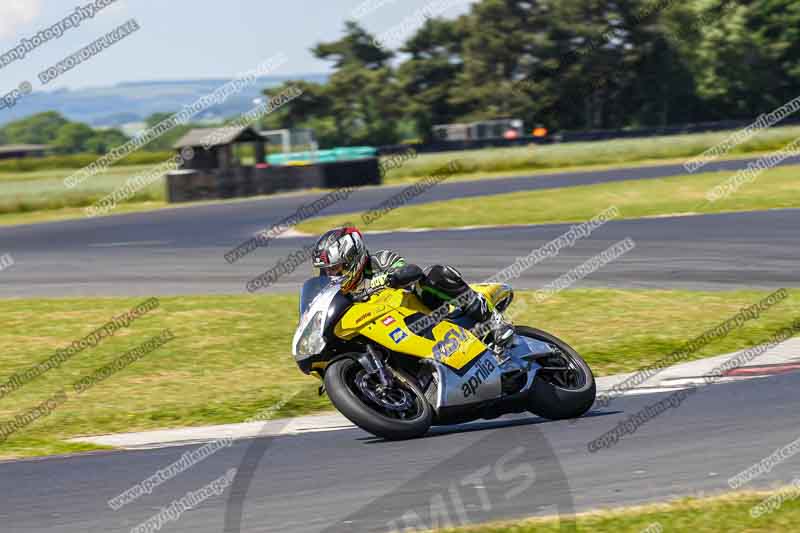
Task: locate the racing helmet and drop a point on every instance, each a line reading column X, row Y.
column 341, row 252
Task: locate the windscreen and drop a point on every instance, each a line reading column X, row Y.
column 310, row 289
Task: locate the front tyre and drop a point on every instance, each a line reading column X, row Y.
column 564, row 387
column 398, row 413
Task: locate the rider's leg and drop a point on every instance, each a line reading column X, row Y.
column 442, row 284
column 445, row 284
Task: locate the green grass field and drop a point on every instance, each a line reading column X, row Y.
column 729, row 513
column 231, row 355
column 614, row 153
column 636, row 198
column 42, row 191
column 35, row 196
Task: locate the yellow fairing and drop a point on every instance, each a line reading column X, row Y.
column 494, row 292
column 381, row 319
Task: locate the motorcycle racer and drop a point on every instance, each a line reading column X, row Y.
column 342, row 252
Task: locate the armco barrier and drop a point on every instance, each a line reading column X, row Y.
column 195, row 185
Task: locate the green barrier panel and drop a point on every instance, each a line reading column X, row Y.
column 323, row 156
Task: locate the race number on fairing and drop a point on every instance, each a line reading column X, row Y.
column 450, row 343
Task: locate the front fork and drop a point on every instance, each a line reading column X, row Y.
column 373, row 364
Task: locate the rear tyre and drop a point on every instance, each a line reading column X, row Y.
column 564, row 387
column 396, row 414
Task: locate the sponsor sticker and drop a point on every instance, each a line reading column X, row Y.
column 388, row 320
column 398, row 335
column 378, row 281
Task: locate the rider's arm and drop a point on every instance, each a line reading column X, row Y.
column 405, row 276
column 392, row 270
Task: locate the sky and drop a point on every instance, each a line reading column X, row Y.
column 189, row 39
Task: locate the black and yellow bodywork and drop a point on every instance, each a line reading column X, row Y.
column 382, row 319
column 393, row 366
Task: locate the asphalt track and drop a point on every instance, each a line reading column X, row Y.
column 348, row 481
column 148, row 255
column 180, row 251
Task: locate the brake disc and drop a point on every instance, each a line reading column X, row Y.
column 389, row 398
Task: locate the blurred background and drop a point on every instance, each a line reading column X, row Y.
column 567, row 65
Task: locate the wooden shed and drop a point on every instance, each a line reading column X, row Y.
column 23, row 151
column 214, row 147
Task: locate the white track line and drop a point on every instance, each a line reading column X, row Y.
column 129, row 243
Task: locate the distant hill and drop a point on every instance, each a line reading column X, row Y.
column 132, row 102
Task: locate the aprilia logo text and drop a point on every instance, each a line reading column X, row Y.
column 485, row 369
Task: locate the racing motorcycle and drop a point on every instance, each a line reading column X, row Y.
column 393, row 371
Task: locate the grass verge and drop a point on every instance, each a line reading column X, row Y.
column 730, row 513
column 776, row 188
column 615, row 152
column 31, row 166
column 43, row 192
column 41, row 195
column 74, row 213
column 230, row 357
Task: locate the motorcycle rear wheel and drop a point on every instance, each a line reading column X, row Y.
column 397, row 414
column 560, row 393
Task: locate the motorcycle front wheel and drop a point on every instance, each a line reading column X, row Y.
column 395, row 413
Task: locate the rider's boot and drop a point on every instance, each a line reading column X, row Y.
column 482, row 311
column 502, row 330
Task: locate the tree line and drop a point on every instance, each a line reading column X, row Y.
column 66, row 137
column 563, row 64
